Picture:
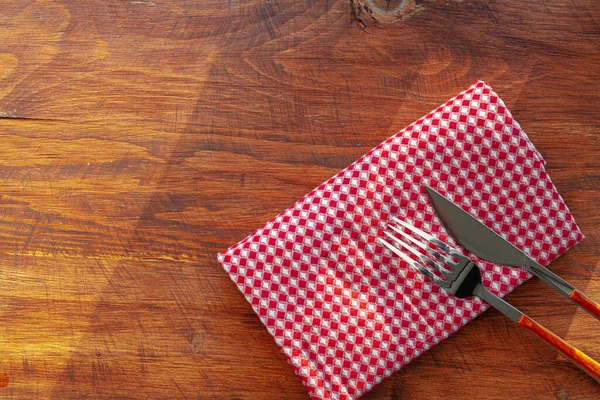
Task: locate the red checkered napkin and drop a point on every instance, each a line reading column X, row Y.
column 344, row 310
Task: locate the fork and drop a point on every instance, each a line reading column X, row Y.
column 459, row 276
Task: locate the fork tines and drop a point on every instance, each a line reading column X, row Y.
column 427, row 255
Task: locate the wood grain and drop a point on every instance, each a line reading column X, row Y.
column 140, row 138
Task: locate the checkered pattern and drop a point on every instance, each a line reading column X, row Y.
column 343, row 309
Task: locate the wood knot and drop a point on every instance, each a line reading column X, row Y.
column 562, row 394
column 373, row 12
column 197, row 341
column 387, row 6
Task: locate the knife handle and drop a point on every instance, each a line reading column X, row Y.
column 586, row 303
column 582, row 360
column 562, row 286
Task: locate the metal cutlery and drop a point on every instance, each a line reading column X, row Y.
column 480, row 240
column 459, row 276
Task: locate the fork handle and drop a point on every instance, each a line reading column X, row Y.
column 577, row 357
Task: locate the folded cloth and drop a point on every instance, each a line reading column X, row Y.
column 345, row 311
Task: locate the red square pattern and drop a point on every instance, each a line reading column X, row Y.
column 343, row 309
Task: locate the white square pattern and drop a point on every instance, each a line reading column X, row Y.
column 345, row 311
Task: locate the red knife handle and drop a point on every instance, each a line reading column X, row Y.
column 579, row 358
column 586, row 303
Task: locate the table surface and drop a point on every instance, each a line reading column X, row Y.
column 140, row 138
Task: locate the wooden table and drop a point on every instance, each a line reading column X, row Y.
column 140, row 138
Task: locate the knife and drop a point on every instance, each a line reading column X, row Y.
column 487, row 244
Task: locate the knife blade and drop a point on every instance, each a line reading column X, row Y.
column 483, row 242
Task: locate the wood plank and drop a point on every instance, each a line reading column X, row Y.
column 141, row 138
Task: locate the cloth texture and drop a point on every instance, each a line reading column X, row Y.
column 344, row 310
